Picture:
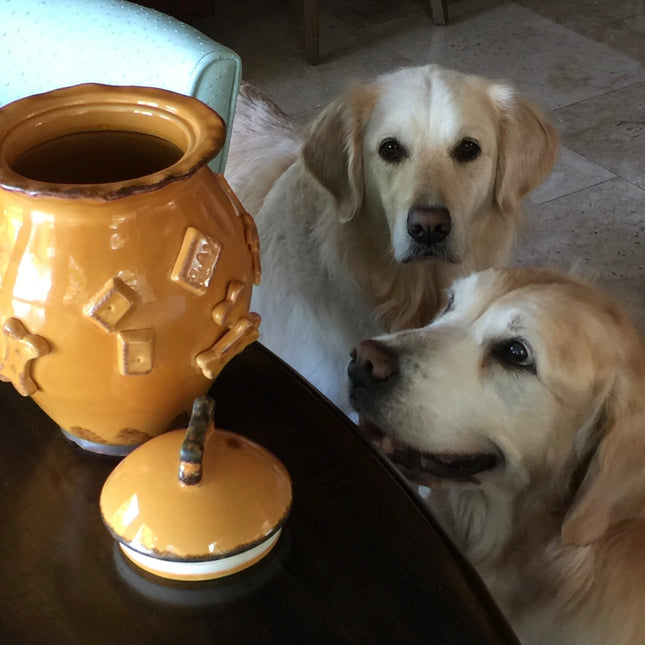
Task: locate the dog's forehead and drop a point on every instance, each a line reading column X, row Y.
column 477, row 291
column 564, row 313
column 433, row 99
column 517, row 300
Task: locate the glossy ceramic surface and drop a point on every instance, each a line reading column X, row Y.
column 178, row 525
column 120, row 301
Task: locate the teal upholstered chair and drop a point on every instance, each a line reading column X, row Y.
column 46, row 44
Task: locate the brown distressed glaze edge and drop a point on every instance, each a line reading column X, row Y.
column 206, row 557
column 191, row 452
column 208, row 138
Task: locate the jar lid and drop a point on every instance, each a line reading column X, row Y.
column 197, row 504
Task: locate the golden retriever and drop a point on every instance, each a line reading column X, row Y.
column 522, row 406
column 397, row 187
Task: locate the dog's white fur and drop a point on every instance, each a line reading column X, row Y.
column 556, row 528
column 331, row 213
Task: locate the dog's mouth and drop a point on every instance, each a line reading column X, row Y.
column 422, row 466
column 440, row 252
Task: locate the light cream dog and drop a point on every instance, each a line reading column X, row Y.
column 522, row 406
column 397, row 187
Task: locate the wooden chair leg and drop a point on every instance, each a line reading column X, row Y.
column 439, row 11
column 310, row 22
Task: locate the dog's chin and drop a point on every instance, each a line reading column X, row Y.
column 423, row 467
column 422, row 252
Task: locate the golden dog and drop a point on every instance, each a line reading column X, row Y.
column 398, row 186
column 522, row 406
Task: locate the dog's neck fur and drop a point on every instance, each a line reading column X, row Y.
column 508, row 541
column 402, row 296
column 520, row 541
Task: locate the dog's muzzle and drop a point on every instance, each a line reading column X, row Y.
column 428, row 229
column 371, row 372
column 429, row 225
column 372, row 360
column 372, row 363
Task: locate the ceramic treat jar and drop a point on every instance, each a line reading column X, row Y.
column 126, row 264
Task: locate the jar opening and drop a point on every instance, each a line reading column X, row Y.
column 96, row 157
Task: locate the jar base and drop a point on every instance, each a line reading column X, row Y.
column 109, row 449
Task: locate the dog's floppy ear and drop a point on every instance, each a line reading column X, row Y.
column 614, row 486
column 528, row 146
column 333, row 148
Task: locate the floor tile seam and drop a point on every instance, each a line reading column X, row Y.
column 356, row 48
column 615, row 23
column 368, row 34
column 641, row 63
column 600, row 164
column 572, row 29
column 627, row 181
column 570, row 145
column 599, row 95
column 630, row 17
column 582, row 189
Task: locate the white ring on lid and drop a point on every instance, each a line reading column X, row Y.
column 204, row 570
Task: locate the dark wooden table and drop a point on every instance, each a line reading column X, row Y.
column 359, row 561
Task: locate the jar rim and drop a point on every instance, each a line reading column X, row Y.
column 184, row 121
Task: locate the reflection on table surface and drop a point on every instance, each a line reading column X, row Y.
column 360, row 559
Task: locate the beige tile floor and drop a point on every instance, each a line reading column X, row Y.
column 582, row 59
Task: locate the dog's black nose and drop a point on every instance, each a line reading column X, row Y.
column 371, row 361
column 429, row 224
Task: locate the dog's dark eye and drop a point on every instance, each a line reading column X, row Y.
column 392, row 151
column 466, row 150
column 515, row 353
